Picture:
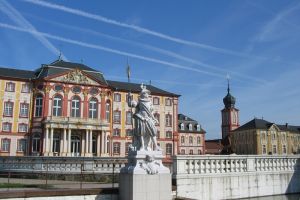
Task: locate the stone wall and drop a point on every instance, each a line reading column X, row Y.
column 232, row 177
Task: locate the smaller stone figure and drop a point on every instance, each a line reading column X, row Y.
column 144, row 122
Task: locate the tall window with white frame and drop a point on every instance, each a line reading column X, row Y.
column 128, row 117
column 117, row 117
column 57, row 106
column 24, row 109
column 75, row 107
column 22, row 145
column 107, row 111
column 5, row 145
column 168, row 120
column 8, row 108
column 38, row 105
column 93, row 108
column 169, row 149
column 36, row 143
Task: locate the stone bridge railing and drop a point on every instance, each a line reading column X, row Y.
column 62, row 164
column 235, row 176
column 233, row 164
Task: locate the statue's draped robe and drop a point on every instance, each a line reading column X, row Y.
column 144, row 122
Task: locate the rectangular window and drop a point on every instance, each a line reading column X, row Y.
column 93, row 109
column 39, row 106
column 274, row 149
column 129, row 132
column 199, row 152
column 155, row 101
column 117, row 97
column 284, row 151
column 198, row 140
column 6, row 127
column 107, row 112
column 8, row 109
column 10, row 87
column 182, row 139
column 75, row 107
column 264, row 149
column 169, row 149
column 128, row 118
column 5, row 145
column 191, row 152
column 116, row 132
column 116, row 148
column 168, row 102
column 117, row 117
column 168, row 120
column 24, row 109
column 129, row 98
column 182, row 152
column 22, row 145
column 23, row 128
column 168, row 134
column 25, row 88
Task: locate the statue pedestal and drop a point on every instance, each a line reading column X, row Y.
column 145, row 177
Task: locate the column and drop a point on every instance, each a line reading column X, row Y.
column 91, row 143
column 102, row 143
column 69, row 142
column 83, row 144
column 105, row 142
column 98, row 144
column 61, row 143
column 86, row 142
column 64, row 150
column 103, row 104
column 85, row 103
column 46, row 145
column 51, row 142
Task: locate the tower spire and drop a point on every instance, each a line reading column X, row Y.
column 228, row 87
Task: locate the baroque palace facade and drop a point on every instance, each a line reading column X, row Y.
column 69, row 109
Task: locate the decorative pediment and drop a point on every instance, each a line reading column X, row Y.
column 75, row 76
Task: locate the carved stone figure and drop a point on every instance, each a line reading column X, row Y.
column 145, row 131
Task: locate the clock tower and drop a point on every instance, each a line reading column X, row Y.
column 230, row 115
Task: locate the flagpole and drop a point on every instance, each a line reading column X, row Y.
column 129, row 95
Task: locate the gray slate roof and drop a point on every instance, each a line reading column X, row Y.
column 16, row 73
column 183, row 119
column 136, row 88
column 263, row 124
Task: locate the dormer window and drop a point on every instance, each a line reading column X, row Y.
column 181, row 126
column 198, row 127
column 190, row 127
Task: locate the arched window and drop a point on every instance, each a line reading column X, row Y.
column 190, row 127
column 107, row 111
column 182, row 126
column 75, row 109
column 39, row 105
column 57, row 105
column 93, row 108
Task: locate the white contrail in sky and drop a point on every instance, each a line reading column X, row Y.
column 17, row 17
column 115, row 51
column 149, row 47
column 139, row 29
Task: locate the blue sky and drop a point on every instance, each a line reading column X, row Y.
column 186, row 47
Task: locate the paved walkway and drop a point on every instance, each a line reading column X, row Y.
column 59, row 184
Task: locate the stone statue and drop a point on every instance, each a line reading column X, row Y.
column 144, row 122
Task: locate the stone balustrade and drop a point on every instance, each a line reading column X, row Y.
column 214, row 164
column 235, row 176
column 62, row 164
